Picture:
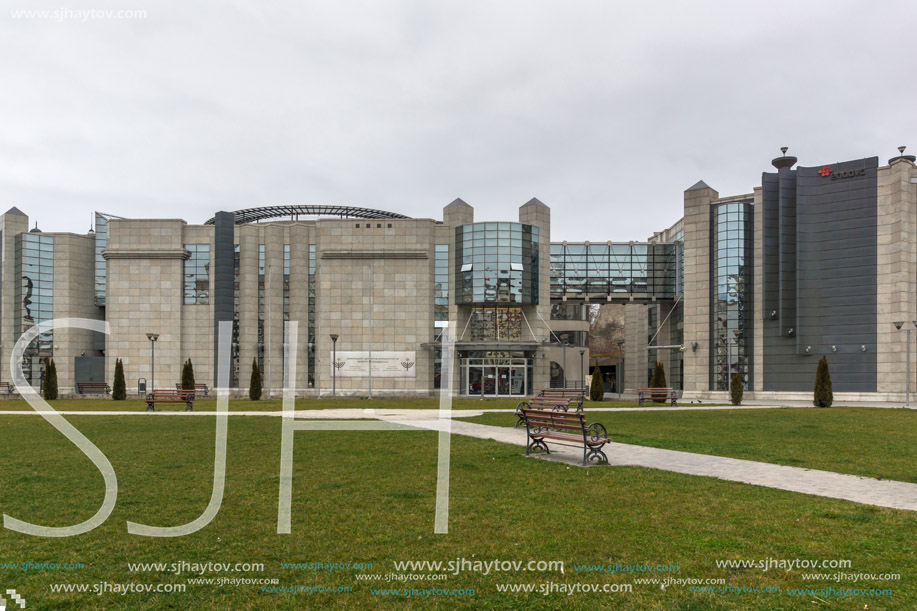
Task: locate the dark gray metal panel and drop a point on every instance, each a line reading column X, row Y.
column 770, row 219
column 786, row 260
column 223, row 261
column 835, row 261
column 88, row 369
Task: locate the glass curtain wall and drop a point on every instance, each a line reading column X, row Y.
column 35, row 299
column 731, row 260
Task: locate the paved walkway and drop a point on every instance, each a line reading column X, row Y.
column 865, row 490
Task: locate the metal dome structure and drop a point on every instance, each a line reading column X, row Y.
column 254, row 215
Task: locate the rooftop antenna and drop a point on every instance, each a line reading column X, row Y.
column 91, row 218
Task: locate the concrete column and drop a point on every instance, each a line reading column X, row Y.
column 74, row 271
column 12, row 223
column 635, row 359
column 896, row 275
column 250, row 237
column 697, row 286
column 301, row 235
column 539, row 215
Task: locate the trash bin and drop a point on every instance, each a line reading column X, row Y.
column 141, row 386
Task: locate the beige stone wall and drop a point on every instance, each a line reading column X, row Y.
column 636, row 359
column 697, row 287
column 74, row 278
column 197, row 319
column 11, row 225
column 145, row 260
column 539, row 215
column 896, row 292
column 375, row 288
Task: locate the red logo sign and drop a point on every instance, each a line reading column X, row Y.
column 825, row 171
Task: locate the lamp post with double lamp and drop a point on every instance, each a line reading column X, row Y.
column 152, row 337
column 334, row 364
column 582, row 372
column 907, row 396
column 619, row 369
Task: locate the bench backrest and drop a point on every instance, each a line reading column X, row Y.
column 563, row 392
column 92, row 384
column 560, row 421
column 549, row 401
column 196, row 387
column 168, row 393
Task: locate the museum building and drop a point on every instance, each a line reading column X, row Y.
column 814, row 261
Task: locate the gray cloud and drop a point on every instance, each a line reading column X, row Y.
column 605, row 111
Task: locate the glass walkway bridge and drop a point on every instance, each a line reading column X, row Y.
column 616, row 272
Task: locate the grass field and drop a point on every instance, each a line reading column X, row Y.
column 862, row 441
column 369, row 498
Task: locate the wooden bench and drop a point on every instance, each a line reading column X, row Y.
column 557, row 404
column 576, row 394
column 651, row 394
column 200, row 390
column 93, row 388
column 7, row 388
column 569, row 428
column 165, row 395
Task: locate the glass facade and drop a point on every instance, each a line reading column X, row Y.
column 495, row 374
column 35, row 299
column 731, row 262
column 197, row 275
column 496, row 324
column 261, row 308
column 237, row 253
column 570, row 338
column 311, row 364
column 441, row 283
column 101, row 229
column 620, row 270
column 562, row 310
column 496, row 262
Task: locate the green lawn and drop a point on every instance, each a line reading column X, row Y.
column 862, row 441
column 369, row 498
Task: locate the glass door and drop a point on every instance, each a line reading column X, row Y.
column 503, row 385
column 517, row 380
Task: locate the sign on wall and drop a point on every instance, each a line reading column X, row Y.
column 385, row 364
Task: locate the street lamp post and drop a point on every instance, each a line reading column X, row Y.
column 564, row 343
column 619, row 369
column 334, row 364
column 581, row 370
column 152, row 337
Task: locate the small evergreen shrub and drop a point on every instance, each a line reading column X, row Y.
column 736, row 389
column 119, row 387
column 824, row 396
column 254, row 387
column 187, row 376
column 658, row 381
column 50, row 380
column 597, row 387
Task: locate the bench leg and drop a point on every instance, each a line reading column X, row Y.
column 535, row 444
column 189, row 407
column 595, row 454
column 150, row 407
column 521, row 420
column 642, row 402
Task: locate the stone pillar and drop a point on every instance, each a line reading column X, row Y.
column 74, row 297
column 636, row 361
column 12, row 223
column 250, row 237
column 896, row 276
column 301, row 235
column 539, row 215
column 454, row 215
column 697, row 287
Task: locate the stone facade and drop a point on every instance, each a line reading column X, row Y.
column 374, row 287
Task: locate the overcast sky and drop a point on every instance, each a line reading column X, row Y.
column 606, row 111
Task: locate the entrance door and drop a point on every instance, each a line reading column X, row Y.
column 517, row 382
column 490, row 381
column 503, row 381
